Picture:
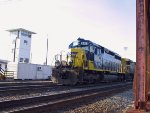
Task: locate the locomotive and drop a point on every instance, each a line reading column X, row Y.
column 88, row 62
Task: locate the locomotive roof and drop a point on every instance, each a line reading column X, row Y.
column 81, row 39
column 127, row 59
column 97, row 45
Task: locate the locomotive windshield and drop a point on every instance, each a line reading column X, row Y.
column 79, row 44
column 74, row 44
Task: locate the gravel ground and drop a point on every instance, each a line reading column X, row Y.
column 33, row 93
column 114, row 104
column 28, row 95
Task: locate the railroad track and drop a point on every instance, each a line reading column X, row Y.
column 20, row 88
column 20, row 83
column 64, row 98
column 9, row 89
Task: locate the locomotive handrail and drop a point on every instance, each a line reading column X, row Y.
column 2, row 71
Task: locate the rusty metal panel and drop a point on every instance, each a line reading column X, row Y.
column 142, row 76
column 147, row 31
column 140, row 56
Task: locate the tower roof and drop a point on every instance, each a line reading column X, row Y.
column 21, row 29
column 4, row 61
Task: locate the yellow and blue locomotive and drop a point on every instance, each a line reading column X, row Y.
column 88, row 62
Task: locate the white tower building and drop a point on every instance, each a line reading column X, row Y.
column 21, row 45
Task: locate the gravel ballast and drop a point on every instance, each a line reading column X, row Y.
column 113, row 104
column 39, row 92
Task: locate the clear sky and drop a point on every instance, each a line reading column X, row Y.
column 110, row 23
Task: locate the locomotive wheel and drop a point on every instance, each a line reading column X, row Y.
column 73, row 79
column 121, row 77
column 101, row 77
column 91, row 78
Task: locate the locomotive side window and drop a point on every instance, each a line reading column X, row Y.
column 85, row 48
column 95, row 51
column 99, row 51
column 102, row 50
column 92, row 48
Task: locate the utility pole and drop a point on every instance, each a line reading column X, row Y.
column 142, row 71
column 15, row 46
column 47, row 50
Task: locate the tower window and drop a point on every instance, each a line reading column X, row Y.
column 29, row 36
column 26, row 42
column 21, row 59
column 39, row 68
column 26, row 60
column 5, row 66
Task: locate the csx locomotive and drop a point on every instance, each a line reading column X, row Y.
column 88, row 62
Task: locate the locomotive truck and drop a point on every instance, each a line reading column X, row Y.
column 88, row 62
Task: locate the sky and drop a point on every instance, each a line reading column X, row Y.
column 110, row 23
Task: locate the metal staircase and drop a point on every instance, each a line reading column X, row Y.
column 4, row 74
